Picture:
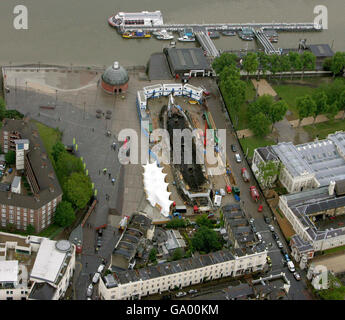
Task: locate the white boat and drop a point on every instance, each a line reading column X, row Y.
column 163, row 35
column 136, row 19
column 186, row 39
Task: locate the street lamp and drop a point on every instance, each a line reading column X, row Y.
column 56, row 97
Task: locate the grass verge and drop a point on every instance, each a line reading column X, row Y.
column 254, row 142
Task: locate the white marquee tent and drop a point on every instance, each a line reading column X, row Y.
column 156, row 188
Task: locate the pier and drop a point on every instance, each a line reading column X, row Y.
column 265, row 42
column 201, row 31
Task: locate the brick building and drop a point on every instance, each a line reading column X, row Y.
column 37, row 205
column 115, row 79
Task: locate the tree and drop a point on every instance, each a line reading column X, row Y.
column 295, row 62
column 250, row 63
column 2, row 109
column 153, row 255
column 78, row 189
column 30, row 229
column 268, row 172
column 259, row 124
column 332, row 110
column 10, row 157
column 274, row 64
column 176, row 223
column 224, row 60
column 320, row 99
column 337, row 63
column 57, row 150
column 306, row 107
column 308, row 61
column 64, row 214
column 206, row 240
column 327, row 63
column 178, row 254
column 66, row 165
column 277, row 111
column 204, row 221
column 264, row 61
column 285, row 64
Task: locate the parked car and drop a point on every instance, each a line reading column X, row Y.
column 192, row 291
column 259, row 236
column 100, row 232
column 297, row 276
column 233, row 148
column 275, row 236
column 271, row 228
column 253, row 228
column 254, row 193
column 180, row 294
column 267, row 220
column 99, row 243
column 100, row 268
column 96, row 277
column 238, row 157
column 89, row 290
column 291, row 266
column 283, row 251
column 279, row 244
column 287, row 258
column 269, row 261
column 251, row 220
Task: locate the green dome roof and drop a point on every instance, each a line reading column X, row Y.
column 115, row 75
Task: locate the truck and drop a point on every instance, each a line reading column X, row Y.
column 254, row 193
column 123, row 223
column 245, row 175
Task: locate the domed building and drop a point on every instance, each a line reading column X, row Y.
column 115, row 79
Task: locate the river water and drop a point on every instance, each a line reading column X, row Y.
column 76, row 31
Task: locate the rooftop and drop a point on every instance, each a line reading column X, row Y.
column 321, row 50
column 181, row 59
column 49, row 187
column 9, row 271
column 49, row 262
column 115, row 75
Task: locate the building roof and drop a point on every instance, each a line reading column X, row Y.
column 49, row 187
column 340, row 187
column 182, row 59
column 42, row 291
column 321, row 50
column 9, row 271
column 48, row 262
column 267, row 153
column 115, row 75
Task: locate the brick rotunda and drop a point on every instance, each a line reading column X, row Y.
column 115, row 79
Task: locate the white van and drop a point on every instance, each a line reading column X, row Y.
column 291, row 266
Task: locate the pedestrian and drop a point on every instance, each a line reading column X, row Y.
column 99, row 171
column 113, row 181
column 105, row 170
column 109, row 175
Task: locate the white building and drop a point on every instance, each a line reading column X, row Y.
column 193, row 92
column 141, row 100
column 309, row 165
column 134, row 284
column 34, row 267
column 22, row 145
column 15, row 186
column 154, row 91
column 303, row 210
column 174, row 88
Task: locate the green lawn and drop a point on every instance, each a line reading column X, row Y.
column 341, row 248
column 289, row 93
column 324, row 128
column 253, row 143
column 48, row 135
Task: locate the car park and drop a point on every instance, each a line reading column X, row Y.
column 271, row 228
column 96, row 277
column 100, row 268
column 279, row 244
column 233, row 148
column 89, row 290
column 297, row 276
column 238, row 157
column 180, row 294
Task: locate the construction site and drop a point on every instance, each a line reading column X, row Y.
column 193, row 185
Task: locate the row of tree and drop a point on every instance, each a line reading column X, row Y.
column 327, row 99
column 260, row 63
column 264, row 112
column 76, row 186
